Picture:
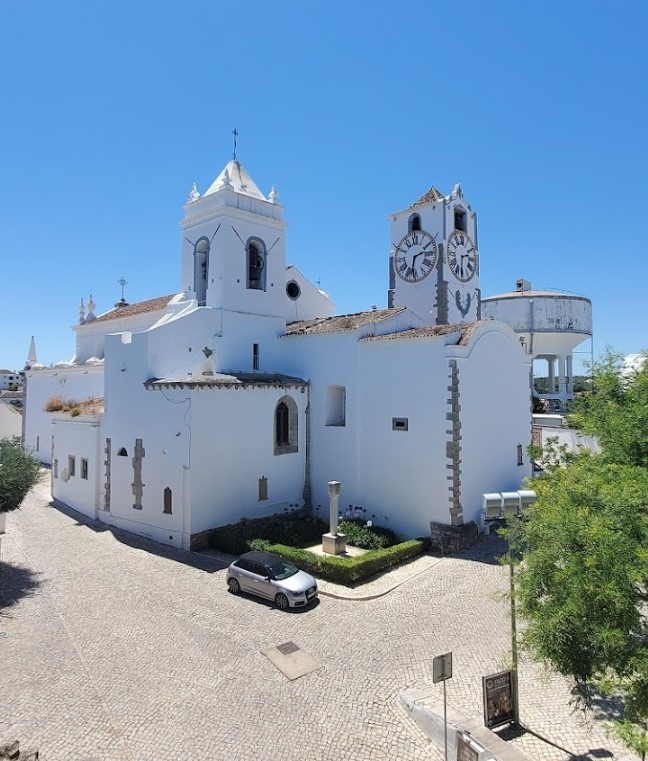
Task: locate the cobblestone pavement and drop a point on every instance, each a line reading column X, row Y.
column 113, row 648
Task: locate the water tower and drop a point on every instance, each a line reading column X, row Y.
column 551, row 325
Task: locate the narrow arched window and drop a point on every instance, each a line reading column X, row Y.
column 201, row 265
column 414, row 223
column 285, row 426
column 282, row 419
column 122, row 452
column 256, row 264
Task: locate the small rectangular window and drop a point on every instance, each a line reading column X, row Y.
column 168, row 501
column 255, row 356
column 519, row 455
column 460, row 219
column 400, row 424
column 55, row 468
column 84, row 468
column 37, row 443
column 263, row 488
column 336, row 405
column 71, row 465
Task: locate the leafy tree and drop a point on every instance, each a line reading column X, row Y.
column 582, row 582
column 19, row 472
column 616, row 411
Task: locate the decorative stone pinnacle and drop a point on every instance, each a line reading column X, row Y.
column 226, row 182
column 194, row 195
column 274, row 196
column 81, row 313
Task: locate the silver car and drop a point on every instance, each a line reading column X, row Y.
column 272, row 577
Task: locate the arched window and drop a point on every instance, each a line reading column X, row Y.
column 413, row 223
column 201, row 265
column 282, row 419
column 285, row 426
column 256, row 264
column 122, row 452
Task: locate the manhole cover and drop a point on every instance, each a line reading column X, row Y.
column 287, row 648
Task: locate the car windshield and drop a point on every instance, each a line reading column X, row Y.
column 282, row 569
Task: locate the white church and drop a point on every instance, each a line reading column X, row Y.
column 242, row 395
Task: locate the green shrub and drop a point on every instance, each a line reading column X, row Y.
column 19, row 473
column 359, row 534
column 348, row 570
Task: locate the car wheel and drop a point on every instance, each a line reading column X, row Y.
column 281, row 601
column 234, row 586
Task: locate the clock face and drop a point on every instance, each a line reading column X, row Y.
column 462, row 256
column 415, row 256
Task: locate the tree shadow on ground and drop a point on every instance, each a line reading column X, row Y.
column 513, row 731
column 16, row 582
column 487, row 549
column 186, row 557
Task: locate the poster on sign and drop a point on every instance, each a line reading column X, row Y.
column 466, row 750
column 499, row 699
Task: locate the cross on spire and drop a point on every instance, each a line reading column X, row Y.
column 235, row 133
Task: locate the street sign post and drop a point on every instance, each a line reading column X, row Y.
column 441, row 672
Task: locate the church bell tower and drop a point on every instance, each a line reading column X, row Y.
column 434, row 260
column 233, row 245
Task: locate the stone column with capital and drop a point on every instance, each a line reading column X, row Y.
column 334, row 543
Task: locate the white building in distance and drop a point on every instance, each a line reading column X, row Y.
column 242, row 395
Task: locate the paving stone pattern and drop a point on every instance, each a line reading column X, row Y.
column 118, row 649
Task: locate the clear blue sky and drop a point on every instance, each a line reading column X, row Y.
column 111, row 109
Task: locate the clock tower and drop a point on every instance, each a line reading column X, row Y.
column 434, row 261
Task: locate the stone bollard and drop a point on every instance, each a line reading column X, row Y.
column 333, row 543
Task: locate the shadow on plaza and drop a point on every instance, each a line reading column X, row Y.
column 16, row 582
column 487, row 549
column 202, row 562
column 513, row 731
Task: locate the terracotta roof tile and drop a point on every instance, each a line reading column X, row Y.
column 340, row 322
column 432, row 196
column 140, row 307
column 433, row 331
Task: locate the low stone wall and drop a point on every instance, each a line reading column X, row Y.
column 247, row 528
column 447, row 539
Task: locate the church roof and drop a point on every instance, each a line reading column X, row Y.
column 227, row 380
column 140, row 307
column 340, row 322
column 240, row 181
column 466, row 329
column 432, row 196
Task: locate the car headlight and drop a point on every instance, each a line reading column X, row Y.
column 298, row 594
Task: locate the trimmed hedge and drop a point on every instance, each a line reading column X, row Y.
column 346, row 570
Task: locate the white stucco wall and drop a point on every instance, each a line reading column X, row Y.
column 402, row 473
column 310, row 303
column 10, row 421
column 91, row 336
column 233, row 447
column 78, row 438
column 495, row 415
column 75, row 382
column 9, row 379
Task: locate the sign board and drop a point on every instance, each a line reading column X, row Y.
column 442, row 667
column 499, row 699
column 467, row 750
